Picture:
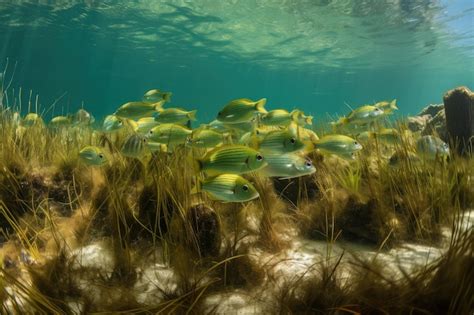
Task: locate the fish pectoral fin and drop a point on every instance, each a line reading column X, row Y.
column 288, row 177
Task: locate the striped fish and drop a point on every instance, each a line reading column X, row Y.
column 338, row 144
column 135, row 110
column 280, row 141
column 241, row 110
column 145, row 124
column 230, row 159
column 169, row 134
column 175, row 116
column 135, row 146
column 228, row 188
column 91, row 155
column 112, row 123
column 277, row 117
column 287, row 166
column 206, row 138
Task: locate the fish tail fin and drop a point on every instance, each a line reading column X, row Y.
column 192, row 114
column 260, row 105
column 393, row 104
column 159, row 105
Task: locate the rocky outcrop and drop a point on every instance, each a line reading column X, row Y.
column 431, row 110
column 459, row 107
column 206, row 227
column 437, row 126
column 430, row 121
column 418, row 123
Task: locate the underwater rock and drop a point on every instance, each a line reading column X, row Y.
column 431, row 110
column 459, row 107
column 206, row 228
column 417, row 123
column 437, row 126
column 358, row 222
column 155, row 211
column 295, row 189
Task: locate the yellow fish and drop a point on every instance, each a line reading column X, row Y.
column 227, row 188
column 241, row 110
column 230, row 159
column 362, row 115
column 338, row 144
column 155, row 95
column 135, row 110
column 91, row 155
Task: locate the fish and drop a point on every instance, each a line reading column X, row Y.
column 135, row 146
column 241, row 110
column 155, row 95
column 338, row 144
column 112, row 123
column 136, row 110
column 362, row 115
column 169, row 134
column 206, row 138
column 227, row 188
column 280, row 141
column 236, row 127
column 175, row 116
column 82, row 117
column 388, row 135
column 431, row 147
column 387, row 107
column 304, row 134
column 32, row 119
column 286, row 166
column 93, row 156
column 307, row 136
column 60, row 121
column 277, row 117
column 365, row 136
column 145, row 124
column 230, row 159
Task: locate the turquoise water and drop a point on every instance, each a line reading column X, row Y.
column 316, row 55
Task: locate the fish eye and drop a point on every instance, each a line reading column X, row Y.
column 219, row 114
column 150, row 132
column 101, row 156
column 293, row 140
column 308, row 163
column 144, row 140
column 245, row 187
column 259, row 157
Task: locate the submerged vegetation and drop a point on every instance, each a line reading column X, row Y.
column 145, row 214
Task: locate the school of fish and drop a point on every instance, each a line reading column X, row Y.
column 245, row 137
